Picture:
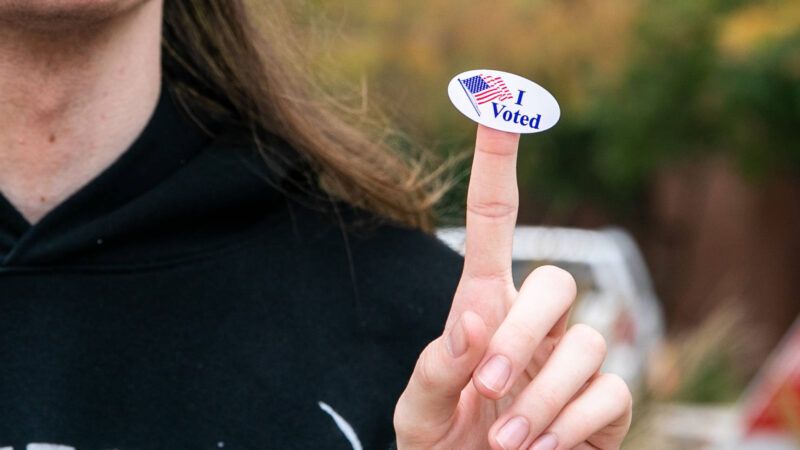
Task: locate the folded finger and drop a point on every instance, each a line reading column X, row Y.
column 598, row 418
column 543, row 302
column 576, row 359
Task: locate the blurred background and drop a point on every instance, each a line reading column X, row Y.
column 680, row 128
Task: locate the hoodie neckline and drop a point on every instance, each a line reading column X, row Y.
column 135, row 171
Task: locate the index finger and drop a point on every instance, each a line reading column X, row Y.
column 492, row 204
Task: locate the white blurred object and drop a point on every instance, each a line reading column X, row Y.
column 615, row 292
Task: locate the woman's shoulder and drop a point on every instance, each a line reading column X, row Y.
column 403, row 277
column 406, row 279
column 412, row 269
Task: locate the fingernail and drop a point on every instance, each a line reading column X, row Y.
column 513, row 433
column 546, row 442
column 456, row 341
column 494, row 374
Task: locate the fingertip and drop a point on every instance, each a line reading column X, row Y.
column 486, row 391
column 485, row 132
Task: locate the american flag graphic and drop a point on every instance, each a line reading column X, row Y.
column 485, row 88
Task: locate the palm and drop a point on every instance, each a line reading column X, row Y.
column 476, row 414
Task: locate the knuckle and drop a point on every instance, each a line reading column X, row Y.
column 591, row 340
column 516, row 338
column 501, row 278
column 493, row 209
column 502, row 145
column 404, row 421
column 539, row 406
column 557, row 277
column 424, row 372
column 548, row 404
column 619, row 391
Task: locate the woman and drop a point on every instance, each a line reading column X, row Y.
column 196, row 254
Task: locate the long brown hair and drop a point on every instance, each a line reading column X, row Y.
column 225, row 66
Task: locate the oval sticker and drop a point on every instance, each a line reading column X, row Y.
column 503, row 101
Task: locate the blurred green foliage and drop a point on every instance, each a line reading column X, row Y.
column 716, row 380
column 643, row 84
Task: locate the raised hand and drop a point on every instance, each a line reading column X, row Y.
column 507, row 373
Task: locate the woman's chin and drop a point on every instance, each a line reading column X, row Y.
column 54, row 14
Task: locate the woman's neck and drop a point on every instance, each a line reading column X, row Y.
column 72, row 99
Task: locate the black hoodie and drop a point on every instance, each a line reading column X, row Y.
column 184, row 300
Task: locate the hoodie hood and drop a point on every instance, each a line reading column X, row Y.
column 173, row 194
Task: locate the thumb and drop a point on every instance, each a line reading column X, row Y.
column 442, row 371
